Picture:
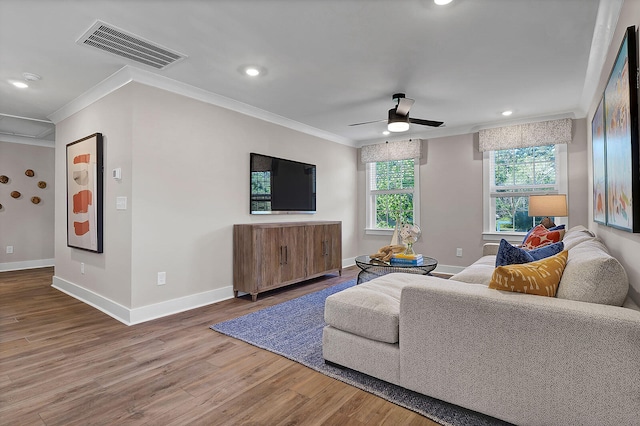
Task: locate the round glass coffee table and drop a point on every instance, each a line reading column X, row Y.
column 372, row 268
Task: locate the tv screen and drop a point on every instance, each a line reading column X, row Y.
column 280, row 186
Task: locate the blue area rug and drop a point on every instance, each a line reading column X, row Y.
column 293, row 329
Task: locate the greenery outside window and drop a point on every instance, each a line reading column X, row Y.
column 261, row 191
column 511, row 175
column 392, row 193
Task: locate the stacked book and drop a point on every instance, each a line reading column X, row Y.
column 406, row 259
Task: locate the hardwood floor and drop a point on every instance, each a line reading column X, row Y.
column 65, row 363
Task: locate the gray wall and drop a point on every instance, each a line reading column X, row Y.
column 623, row 245
column 26, row 226
column 451, row 198
column 185, row 172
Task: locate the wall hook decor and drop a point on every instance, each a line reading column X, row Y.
column 4, row 179
column 15, row 194
column 42, row 184
column 29, row 173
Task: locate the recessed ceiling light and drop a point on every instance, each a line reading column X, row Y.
column 507, row 113
column 442, row 2
column 386, row 133
column 31, row 76
column 252, row 70
column 19, row 84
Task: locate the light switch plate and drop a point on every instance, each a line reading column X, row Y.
column 121, row 203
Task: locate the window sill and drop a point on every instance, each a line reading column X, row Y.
column 373, row 231
column 511, row 237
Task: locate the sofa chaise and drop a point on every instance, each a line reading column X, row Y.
column 573, row 359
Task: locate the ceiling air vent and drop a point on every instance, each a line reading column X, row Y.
column 116, row 41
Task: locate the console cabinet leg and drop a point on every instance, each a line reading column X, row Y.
column 254, row 297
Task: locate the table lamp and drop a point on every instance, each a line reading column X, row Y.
column 548, row 205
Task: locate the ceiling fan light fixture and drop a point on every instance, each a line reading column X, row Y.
column 397, row 123
column 398, row 126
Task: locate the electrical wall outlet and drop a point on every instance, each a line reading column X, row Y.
column 459, row 252
column 9, row 249
column 162, row 278
column 82, row 268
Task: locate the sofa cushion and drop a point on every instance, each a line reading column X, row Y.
column 541, row 236
column 510, row 255
column 592, row 275
column 370, row 310
column 477, row 273
column 540, row 277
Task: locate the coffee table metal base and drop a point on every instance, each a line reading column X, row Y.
column 371, row 268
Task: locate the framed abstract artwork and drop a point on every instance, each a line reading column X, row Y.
column 599, row 166
column 84, row 193
column 621, row 139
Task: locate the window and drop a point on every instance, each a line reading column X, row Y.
column 392, row 193
column 511, row 175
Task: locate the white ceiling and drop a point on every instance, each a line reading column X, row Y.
column 329, row 63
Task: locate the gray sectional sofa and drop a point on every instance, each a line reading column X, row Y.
column 573, row 359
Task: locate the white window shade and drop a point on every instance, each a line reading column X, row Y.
column 391, row 151
column 551, row 132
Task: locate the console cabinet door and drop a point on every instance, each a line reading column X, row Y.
column 334, row 247
column 268, row 243
column 324, row 248
column 293, row 256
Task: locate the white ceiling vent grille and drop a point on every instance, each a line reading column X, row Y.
column 116, row 41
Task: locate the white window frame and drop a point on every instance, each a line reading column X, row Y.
column 370, row 197
column 489, row 207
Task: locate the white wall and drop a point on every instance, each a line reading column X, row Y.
column 623, row 245
column 185, row 166
column 26, row 226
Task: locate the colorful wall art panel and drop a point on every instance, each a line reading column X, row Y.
column 84, row 193
column 621, row 139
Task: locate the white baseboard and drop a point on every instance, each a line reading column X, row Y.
column 350, row 261
column 27, row 264
column 174, row 306
column 134, row 316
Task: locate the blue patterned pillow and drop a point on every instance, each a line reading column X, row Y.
column 511, row 255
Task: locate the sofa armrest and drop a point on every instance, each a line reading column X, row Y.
column 490, row 249
column 523, row 358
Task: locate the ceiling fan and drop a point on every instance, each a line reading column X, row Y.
column 399, row 119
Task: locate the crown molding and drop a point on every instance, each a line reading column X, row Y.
column 27, row 141
column 605, row 27
column 128, row 74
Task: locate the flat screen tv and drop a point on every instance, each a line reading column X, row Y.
column 280, row 186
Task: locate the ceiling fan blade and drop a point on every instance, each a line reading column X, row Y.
column 426, row 122
column 404, row 105
column 367, row 122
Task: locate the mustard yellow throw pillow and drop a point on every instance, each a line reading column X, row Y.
column 540, row 277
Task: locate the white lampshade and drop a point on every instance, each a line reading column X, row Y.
column 548, row 205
